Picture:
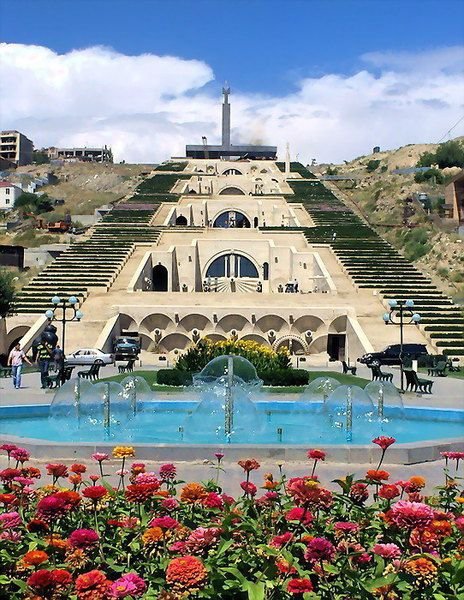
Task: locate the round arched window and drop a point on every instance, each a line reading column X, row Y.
column 232, row 265
column 231, row 219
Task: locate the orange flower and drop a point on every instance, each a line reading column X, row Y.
column 186, row 573
column 377, row 476
column 192, row 492
column 34, row 558
column 417, row 481
column 56, row 541
column 423, row 570
column 123, row 452
column 153, row 535
column 441, row 528
column 250, row 464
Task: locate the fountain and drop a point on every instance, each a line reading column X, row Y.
column 348, row 409
column 387, row 398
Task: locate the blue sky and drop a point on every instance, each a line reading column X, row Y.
column 260, row 46
column 334, row 77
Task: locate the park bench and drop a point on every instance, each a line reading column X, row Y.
column 414, row 383
column 348, row 369
column 56, row 378
column 5, row 372
column 438, row 369
column 379, row 375
column 94, row 372
column 128, row 367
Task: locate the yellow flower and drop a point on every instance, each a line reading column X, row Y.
column 423, row 570
column 123, row 452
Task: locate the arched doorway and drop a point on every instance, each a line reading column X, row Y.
column 231, row 191
column 160, row 279
column 231, row 273
column 232, row 219
column 232, row 172
column 181, row 220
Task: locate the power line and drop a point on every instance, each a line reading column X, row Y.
column 451, row 129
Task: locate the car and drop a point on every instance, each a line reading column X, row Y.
column 87, row 356
column 391, row 354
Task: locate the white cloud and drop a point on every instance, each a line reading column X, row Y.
column 148, row 107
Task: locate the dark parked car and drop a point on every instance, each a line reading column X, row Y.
column 391, row 354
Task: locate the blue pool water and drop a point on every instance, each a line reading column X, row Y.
column 286, row 422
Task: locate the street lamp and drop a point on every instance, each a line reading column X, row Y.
column 69, row 312
column 402, row 308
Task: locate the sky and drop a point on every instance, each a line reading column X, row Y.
column 331, row 77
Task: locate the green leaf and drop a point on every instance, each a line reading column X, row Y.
column 225, row 545
column 255, row 590
column 379, row 582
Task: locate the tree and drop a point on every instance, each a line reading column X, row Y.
column 449, row 154
column 33, row 203
column 40, row 158
column 7, row 292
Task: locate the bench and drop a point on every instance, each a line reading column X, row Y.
column 128, row 367
column 379, row 375
column 348, row 369
column 6, row 372
column 94, row 372
column 414, row 383
column 439, row 369
column 57, row 378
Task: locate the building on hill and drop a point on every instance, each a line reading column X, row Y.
column 226, row 149
column 97, row 154
column 16, row 148
column 8, row 195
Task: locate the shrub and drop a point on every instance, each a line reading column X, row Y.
column 372, row 165
column 434, row 174
column 284, row 377
column 449, row 154
column 174, row 377
column 261, row 357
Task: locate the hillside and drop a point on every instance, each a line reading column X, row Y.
column 423, row 236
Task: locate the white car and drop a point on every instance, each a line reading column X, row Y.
column 87, row 356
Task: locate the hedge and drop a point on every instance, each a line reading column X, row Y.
column 174, row 377
column 284, row 377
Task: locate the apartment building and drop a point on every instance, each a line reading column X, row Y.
column 16, row 147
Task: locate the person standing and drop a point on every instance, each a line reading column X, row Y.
column 44, row 355
column 58, row 358
column 15, row 361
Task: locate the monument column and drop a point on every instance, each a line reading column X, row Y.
column 226, row 117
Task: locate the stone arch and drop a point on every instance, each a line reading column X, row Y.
column 338, row 325
column 232, row 171
column 127, row 322
column 254, row 337
column 307, row 323
column 174, row 341
column 295, row 343
column 226, row 253
column 240, row 219
column 233, row 321
column 15, row 335
column 319, row 344
column 146, row 342
column 156, row 321
column 181, row 220
column 274, row 322
column 215, row 337
column 195, row 321
column 231, row 190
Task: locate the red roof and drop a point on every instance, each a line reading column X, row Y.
column 7, row 184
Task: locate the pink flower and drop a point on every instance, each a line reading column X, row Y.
column 281, row 540
column 459, row 522
column 168, row 472
column 100, row 456
column 20, row 454
column 164, row 523
column 213, row 500
column 10, row 520
column 316, row 454
column 128, row 585
column 388, row 551
column 453, row 455
column 122, row 472
column 299, row 514
column 10, row 536
column 219, row 456
column 319, row 549
column 94, row 478
column 384, row 442
column 8, row 448
column 346, row 526
column 83, row 538
column 24, row 481
column 147, row 478
column 201, row 538
column 169, row 503
column 227, row 499
column 410, row 514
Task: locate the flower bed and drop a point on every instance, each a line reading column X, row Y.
column 155, row 537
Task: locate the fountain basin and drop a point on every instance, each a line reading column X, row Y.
column 421, row 433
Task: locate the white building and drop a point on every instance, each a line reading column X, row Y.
column 8, row 195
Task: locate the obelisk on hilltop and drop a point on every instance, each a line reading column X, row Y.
column 226, row 117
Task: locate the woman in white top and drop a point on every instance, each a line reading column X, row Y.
column 15, row 360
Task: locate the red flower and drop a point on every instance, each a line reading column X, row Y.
column 281, row 540
column 51, row 507
column 185, row 573
column 94, row 492
column 57, row 470
column 299, row 514
column 376, row 476
column 384, row 442
column 40, row 580
column 92, row 585
column 213, row 500
column 61, row 577
column 8, row 475
column 359, row 492
column 389, row 491
column 20, row 454
column 249, row 488
column 316, row 454
column 168, row 472
column 78, row 468
column 83, row 538
column 164, row 523
column 8, row 499
column 140, row 492
column 319, row 549
column 285, row 567
column 299, row 586
column 410, row 514
column 248, row 465
column 37, row 526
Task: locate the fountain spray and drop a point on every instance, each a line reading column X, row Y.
column 106, row 409
column 349, row 415
column 229, row 405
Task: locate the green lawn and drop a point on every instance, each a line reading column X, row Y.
column 150, row 378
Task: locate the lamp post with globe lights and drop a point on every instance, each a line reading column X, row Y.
column 69, row 312
column 401, row 309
